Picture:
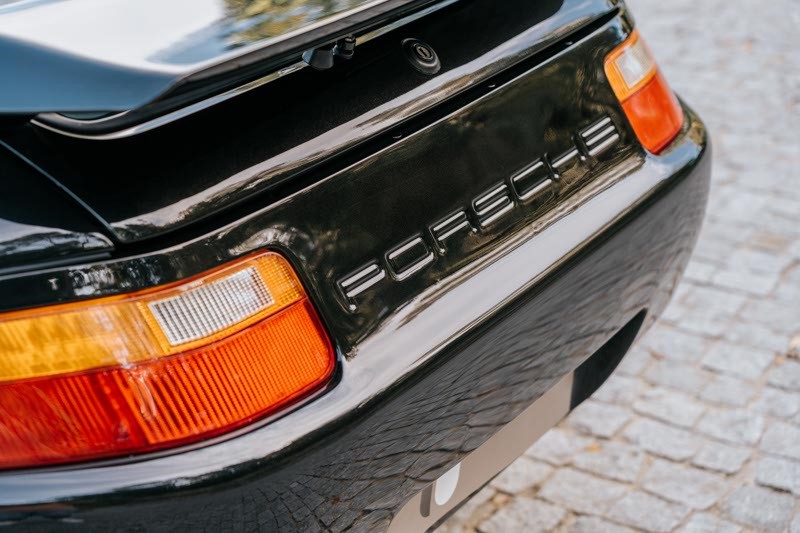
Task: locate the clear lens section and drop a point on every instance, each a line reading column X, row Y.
column 210, row 308
column 630, row 67
column 635, row 64
column 138, row 327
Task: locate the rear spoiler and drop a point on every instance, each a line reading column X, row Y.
column 90, row 98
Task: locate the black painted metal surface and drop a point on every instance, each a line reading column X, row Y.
column 194, row 169
column 439, row 353
column 39, row 223
column 74, row 56
column 355, row 215
column 358, row 472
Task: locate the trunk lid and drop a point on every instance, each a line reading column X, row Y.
column 263, row 146
column 97, row 56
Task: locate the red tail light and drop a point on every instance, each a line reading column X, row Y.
column 158, row 369
column 652, row 109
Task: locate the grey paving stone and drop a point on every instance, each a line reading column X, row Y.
column 635, row 362
column 737, row 426
column 669, row 406
column 714, row 301
column 708, row 523
column 582, row 493
column 728, row 390
column 683, row 484
column 675, row 312
column 716, row 241
column 756, row 283
column 647, row 512
column 599, row 419
column 779, row 473
column 788, row 289
column 619, row 389
column 700, row 271
column 710, row 309
column 779, row 316
column 721, row 457
column 758, row 507
column 739, row 202
column 520, row 475
column 593, row 524
column 771, row 242
column 795, row 527
column 523, row 514
column 677, row 376
column 757, row 335
column 700, row 322
column 611, row 460
column 778, row 403
column 558, row 446
column 672, row 343
column 786, row 206
column 782, row 439
column 793, row 352
column 663, row 440
column 462, row 520
column 737, row 360
column 786, row 375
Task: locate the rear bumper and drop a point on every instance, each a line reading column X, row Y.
column 416, row 399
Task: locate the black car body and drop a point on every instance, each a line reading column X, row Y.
column 464, row 200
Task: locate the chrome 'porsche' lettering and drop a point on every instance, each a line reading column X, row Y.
column 409, row 257
column 449, row 226
column 535, row 184
column 493, row 205
column 362, row 280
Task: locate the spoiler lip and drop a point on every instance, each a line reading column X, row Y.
column 53, row 76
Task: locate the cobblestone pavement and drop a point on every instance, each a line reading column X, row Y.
column 699, row 428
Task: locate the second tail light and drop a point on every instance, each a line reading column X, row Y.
column 652, row 109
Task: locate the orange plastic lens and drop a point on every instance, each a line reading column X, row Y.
column 655, row 114
column 169, row 400
column 136, row 327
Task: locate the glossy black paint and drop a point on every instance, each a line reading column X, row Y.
column 359, row 471
column 191, row 170
column 351, row 217
column 165, row 55
column 40, row 224
column 406, row 406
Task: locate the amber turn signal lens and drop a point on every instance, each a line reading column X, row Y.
column 652, row 109
column 158, row 369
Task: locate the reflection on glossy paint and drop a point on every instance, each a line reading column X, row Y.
column 253, row 20
column 36, row 224
column 179, row 33
column 177, row 193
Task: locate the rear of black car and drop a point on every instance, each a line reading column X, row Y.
column 336, row 289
